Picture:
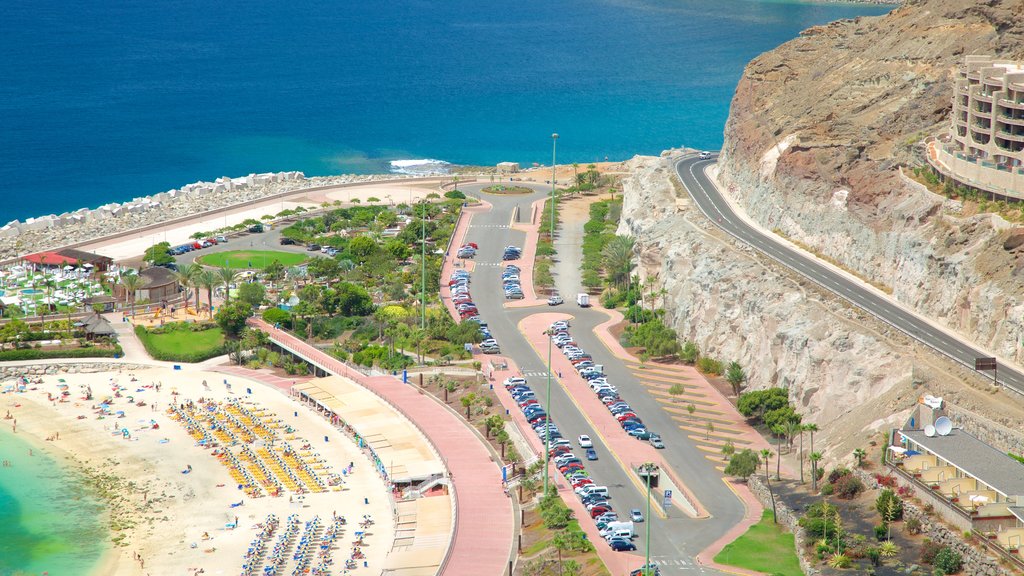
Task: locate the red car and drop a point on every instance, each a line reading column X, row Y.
column 598, row 510
column 570, row 467
column 626, row 416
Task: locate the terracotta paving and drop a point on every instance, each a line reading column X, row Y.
column 484, row 521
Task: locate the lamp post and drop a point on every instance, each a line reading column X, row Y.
column 547, row 434
column 649, row 468
column 423, row 268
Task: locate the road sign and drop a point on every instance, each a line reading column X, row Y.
column 984, row 363
column 667, row 500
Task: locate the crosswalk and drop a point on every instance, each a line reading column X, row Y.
column 534, row 373
column 488, row 225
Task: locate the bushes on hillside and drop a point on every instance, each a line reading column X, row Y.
column 655, row 337
column 41, row 354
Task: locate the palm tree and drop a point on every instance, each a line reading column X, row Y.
column 791, row 428
column 131, row 283
column 186, row 276
column 814, row 458
column 859, row 454
column 812, row 428
column 766, row 454
column 803, row 428
column 227, row 277
column 780, row 433
column 576, row 174
column 208, row 280
column 618, row 258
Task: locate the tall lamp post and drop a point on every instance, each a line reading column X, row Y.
column 648, row 468
column 423, row 267
column 547, row 434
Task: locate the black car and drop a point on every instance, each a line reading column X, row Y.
column 256, row 228
column 287, row 242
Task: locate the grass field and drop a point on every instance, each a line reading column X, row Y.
column 765, row 547
column 242, row 259
column 180, row 344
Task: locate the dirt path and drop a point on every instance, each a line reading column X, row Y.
column 569, row 244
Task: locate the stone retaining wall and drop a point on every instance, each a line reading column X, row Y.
column 788, row 518
column 15, row 370
column 988, row 431
column 976, row 561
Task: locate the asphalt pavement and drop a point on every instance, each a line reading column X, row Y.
column 675, row 540
column 690, row 170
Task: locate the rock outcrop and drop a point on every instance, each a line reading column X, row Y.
column 816, row 135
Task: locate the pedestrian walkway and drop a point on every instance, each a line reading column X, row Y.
column 133, row 349
column 484, row 521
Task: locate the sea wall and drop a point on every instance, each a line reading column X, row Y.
column 45, row 232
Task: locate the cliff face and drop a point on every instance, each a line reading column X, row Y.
column 818, row 128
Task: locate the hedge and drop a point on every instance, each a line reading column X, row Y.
column 178, row 356
column 41, row 354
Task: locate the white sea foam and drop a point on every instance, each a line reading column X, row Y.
column 420, row 167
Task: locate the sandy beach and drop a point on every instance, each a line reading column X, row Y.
column 170, row 522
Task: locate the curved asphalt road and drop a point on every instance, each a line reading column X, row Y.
column 690, row 170
column 675, row 540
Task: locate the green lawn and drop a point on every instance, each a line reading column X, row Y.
column 242, row 259
column 765, row 547
column 183, row 344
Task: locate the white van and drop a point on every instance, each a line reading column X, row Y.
column 616, row 527
column 591, row 489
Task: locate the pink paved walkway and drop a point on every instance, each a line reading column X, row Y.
column 484, row 522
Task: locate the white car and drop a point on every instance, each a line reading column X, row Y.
column 704, row 155
column 555, row 300
column 585, row 441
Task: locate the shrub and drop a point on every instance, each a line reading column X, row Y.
column 827, row 489
column 888, row 549
column 885, row 481
column 948, row 561
column 836, row 474
column 455, row 194
column 710, row 366
column 913, row 526
column 886, row 500
column 929, row 550
column 276, row 315
column 39, row 354
column 848, row 486
column 839, row 561
column 875, row 555
column 881, row 531
column 755, row 403
column 816, row 527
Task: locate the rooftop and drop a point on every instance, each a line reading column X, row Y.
column 975, row 457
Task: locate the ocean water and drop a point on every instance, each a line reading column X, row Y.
column 48, row 521
column 105, row 101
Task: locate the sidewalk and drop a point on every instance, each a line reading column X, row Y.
column 483, row 538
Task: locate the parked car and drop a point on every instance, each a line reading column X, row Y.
column 620, row 545
column 312, row 247
column 287, row 241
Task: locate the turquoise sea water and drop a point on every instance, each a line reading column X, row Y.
column 105, row 101
column 48, row 521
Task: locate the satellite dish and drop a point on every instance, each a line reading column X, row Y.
column 943, row 425
column 929, row 430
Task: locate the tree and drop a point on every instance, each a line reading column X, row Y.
column 208, row 280
column 859, row 454
column 227, row 277
column 572, row 568
column 158, row 254
column 186, row 276
column 353, row 300
column 468, row 401
column 779, row 432
column 231, row 318
column 324, row 268
column 131, row 283
column 362, row 247
column 803, row 428
column 274, row 270
column 492, row 424
column 814, row 458
column 766, row 454
column 690, row 408
column 617, row 259
column 791, row 428
column 709, row 429
column 742, row 464
column 736, row 377
column 677, row 389
column 252, row 293
column 689, row 353
column 728, row 449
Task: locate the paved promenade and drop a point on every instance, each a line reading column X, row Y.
column 484, row 521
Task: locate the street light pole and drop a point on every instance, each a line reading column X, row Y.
column 648, row 467
column 423, row 268
column 547, row 435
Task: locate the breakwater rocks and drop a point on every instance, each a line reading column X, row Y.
column 45, row 232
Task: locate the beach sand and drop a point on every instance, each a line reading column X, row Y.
column 163, row 512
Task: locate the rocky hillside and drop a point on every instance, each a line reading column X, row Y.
column 819, row 127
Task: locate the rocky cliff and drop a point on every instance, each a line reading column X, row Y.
column 818, row 129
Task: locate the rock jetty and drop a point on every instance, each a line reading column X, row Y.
column 45, row 232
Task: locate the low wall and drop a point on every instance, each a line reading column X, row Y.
column 976, row 561
column 788, row 518
column 28, row 368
